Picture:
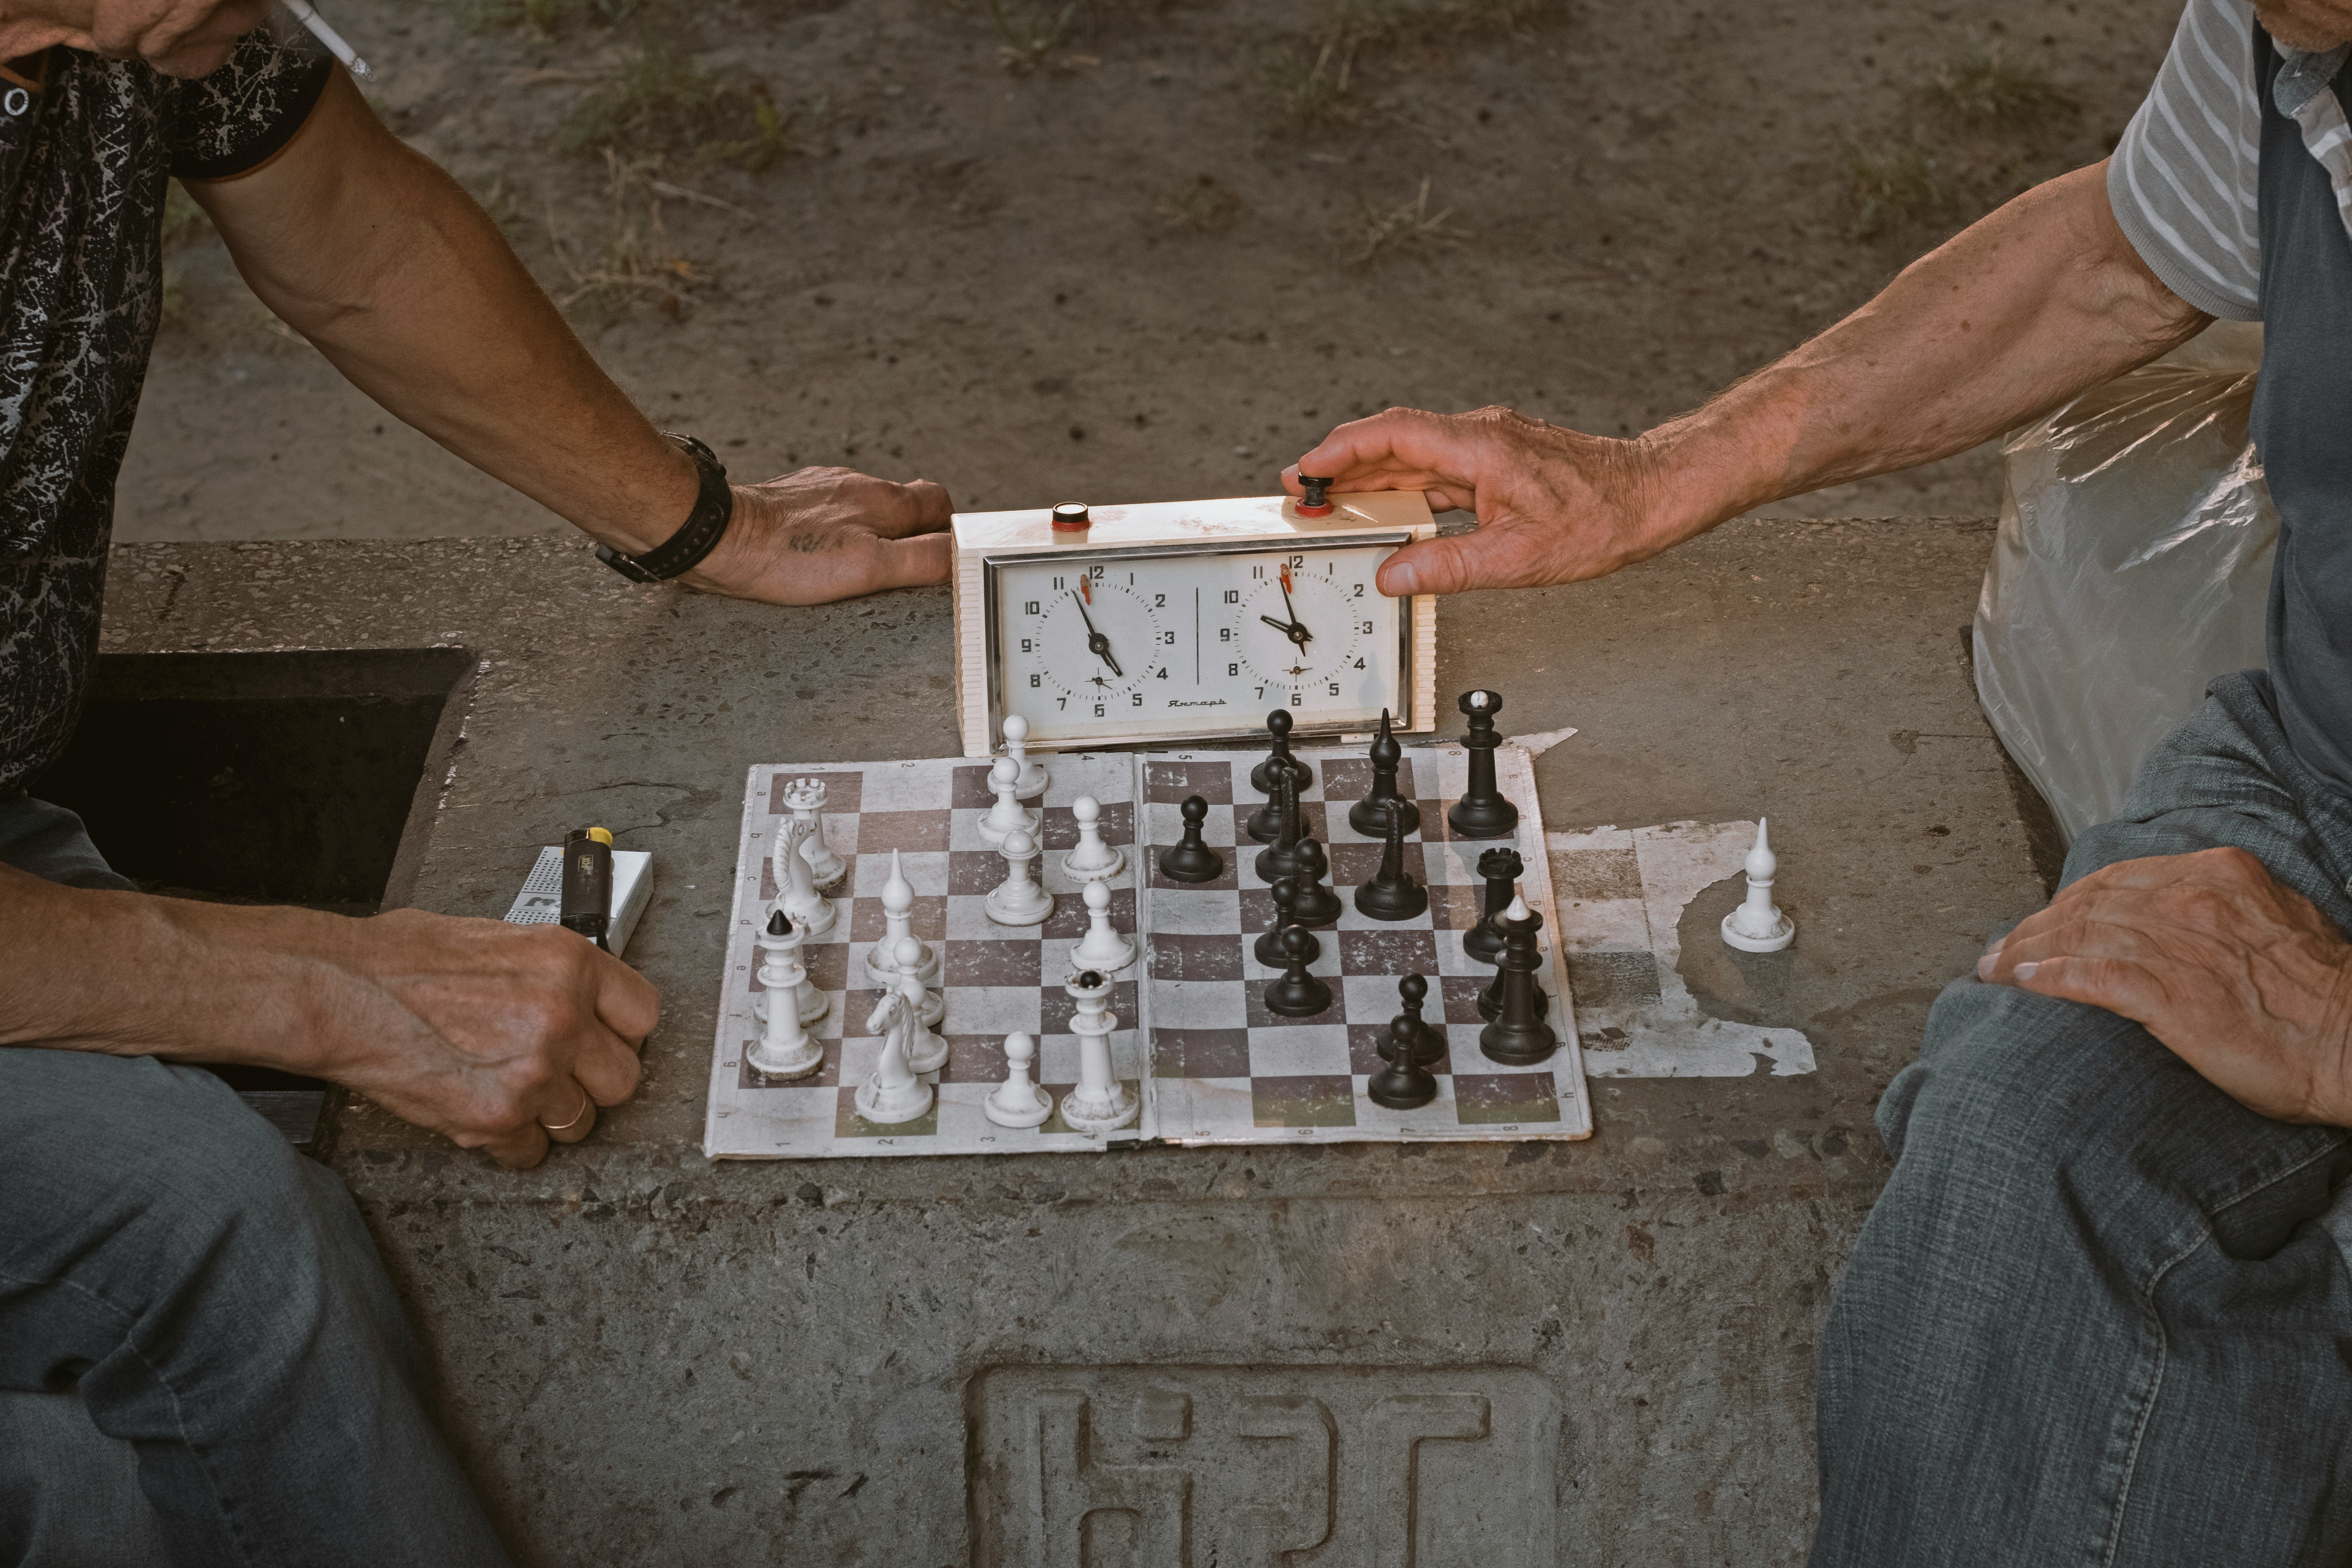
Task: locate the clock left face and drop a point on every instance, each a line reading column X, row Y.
column 1200, row 643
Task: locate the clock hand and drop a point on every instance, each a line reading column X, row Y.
column 1296, row 630
column 1097, row 644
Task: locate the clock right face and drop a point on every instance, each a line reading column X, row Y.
column 1198, row 641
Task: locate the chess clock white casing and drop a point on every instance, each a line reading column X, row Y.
column 1196, row 606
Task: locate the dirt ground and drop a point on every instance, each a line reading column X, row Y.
column 1126, row 250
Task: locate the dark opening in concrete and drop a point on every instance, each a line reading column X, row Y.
column 282, row 778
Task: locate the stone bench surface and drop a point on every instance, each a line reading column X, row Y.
column 1513, row 1352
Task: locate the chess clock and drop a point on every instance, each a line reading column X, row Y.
column 1190, row 620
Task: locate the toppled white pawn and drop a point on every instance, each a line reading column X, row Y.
column 1008, row 814
column 804, row 798
column 796, row 889
column 1092, row 859
column 785, row 1048
column 926, row 1051
column 1018, row 901
column 1017, row 1102
column 897, row 920
column 893, row 1093
column 1100, row 1103
column 1758, row 925
column 1102, row 947
column 1032, row 778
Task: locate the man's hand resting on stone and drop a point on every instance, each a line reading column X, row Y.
column 2242, row 977
column 498, row 1037
column 821, row 534
column 1553, row 505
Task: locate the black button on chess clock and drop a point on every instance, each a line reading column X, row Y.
column 1187, row 620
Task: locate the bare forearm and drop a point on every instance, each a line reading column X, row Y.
column 132, row 975
column 2022, row 310
column 380, row 258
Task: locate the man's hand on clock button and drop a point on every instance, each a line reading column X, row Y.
column 821, row 534
column 1553, row 505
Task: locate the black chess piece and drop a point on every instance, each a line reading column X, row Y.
column 779, row 924
column 1519, row 1036
column 1406, row 1084
column 1490, row 999
column 1429, row 1044
column 1482, row 812
column 1501, row 868
column 1312, row 903
column 1391, row 894
column 1262, row 825
column 1366, row 816
column 1269, row 941
column 1190, row 858
column 1278, row 860
column 1296, row 994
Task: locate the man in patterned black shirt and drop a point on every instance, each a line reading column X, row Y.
column 169, row 1273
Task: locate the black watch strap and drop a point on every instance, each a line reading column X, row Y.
column 705, row 526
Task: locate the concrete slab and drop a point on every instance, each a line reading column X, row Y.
column 1136, row 1358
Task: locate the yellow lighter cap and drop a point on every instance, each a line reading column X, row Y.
column 601, row 835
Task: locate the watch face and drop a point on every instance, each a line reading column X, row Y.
column 1200, row 641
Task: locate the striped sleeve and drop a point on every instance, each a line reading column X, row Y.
column 2183, row 179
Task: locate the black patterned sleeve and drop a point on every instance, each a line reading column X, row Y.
column 236, row 119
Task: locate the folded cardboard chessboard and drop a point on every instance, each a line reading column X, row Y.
column 1195, row 1042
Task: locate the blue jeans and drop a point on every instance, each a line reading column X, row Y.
column 2101, row 1313
column 201, row 1358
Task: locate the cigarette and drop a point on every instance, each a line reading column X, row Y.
column 331, row 39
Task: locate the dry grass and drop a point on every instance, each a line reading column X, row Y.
column 1893, row 184
column 1201, row 205
column 1381, row 229
column 1989, row 91
column 1313, row 94
column 629, row 265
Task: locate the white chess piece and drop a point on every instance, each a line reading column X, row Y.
column 811, row 1003
column 796, row 892
column 1101, row 1102
column 1092, row 859
column 1008, row 814
column 1758, row 925
column 804, row 798
column 785, row 1048
column 1016, row 1103
column 1102, row 947
column 1032, row 778
column 893, row 1093
column 898, row 899
column 1019, row 901
column 926, row 1052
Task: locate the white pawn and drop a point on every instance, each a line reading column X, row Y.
column 1008, row 814
column 926, row 1052
column 804, row 798
column 898, row 902
column 1100, row 1103
column 1758, row 925
column 893, row 1093
column 1019, row 901
column 1032, row 779
column 1092, row 859
column 796, row 890
column 1102, row 947
column 1016, row 1103
column 786, row 1049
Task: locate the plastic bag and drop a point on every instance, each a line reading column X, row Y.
column 2132, row 566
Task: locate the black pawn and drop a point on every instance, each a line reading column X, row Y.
column 1269, row 943
column 1297, row 995
column 1482, row 812
column 1190, row 858
column 1367, row 816
column 1519, row 1036
column 1263, row 824
column 1406, row 1084
column 1391, row 894
column 1279, row 860
column 1501, row 868
column 1312, row 903
column 1429, row 1044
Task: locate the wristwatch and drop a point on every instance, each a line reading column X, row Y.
column 705, row 526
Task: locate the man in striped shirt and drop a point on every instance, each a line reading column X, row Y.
column 2099, row 1313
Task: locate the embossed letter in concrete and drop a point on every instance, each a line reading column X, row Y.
column 1182, row 1466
